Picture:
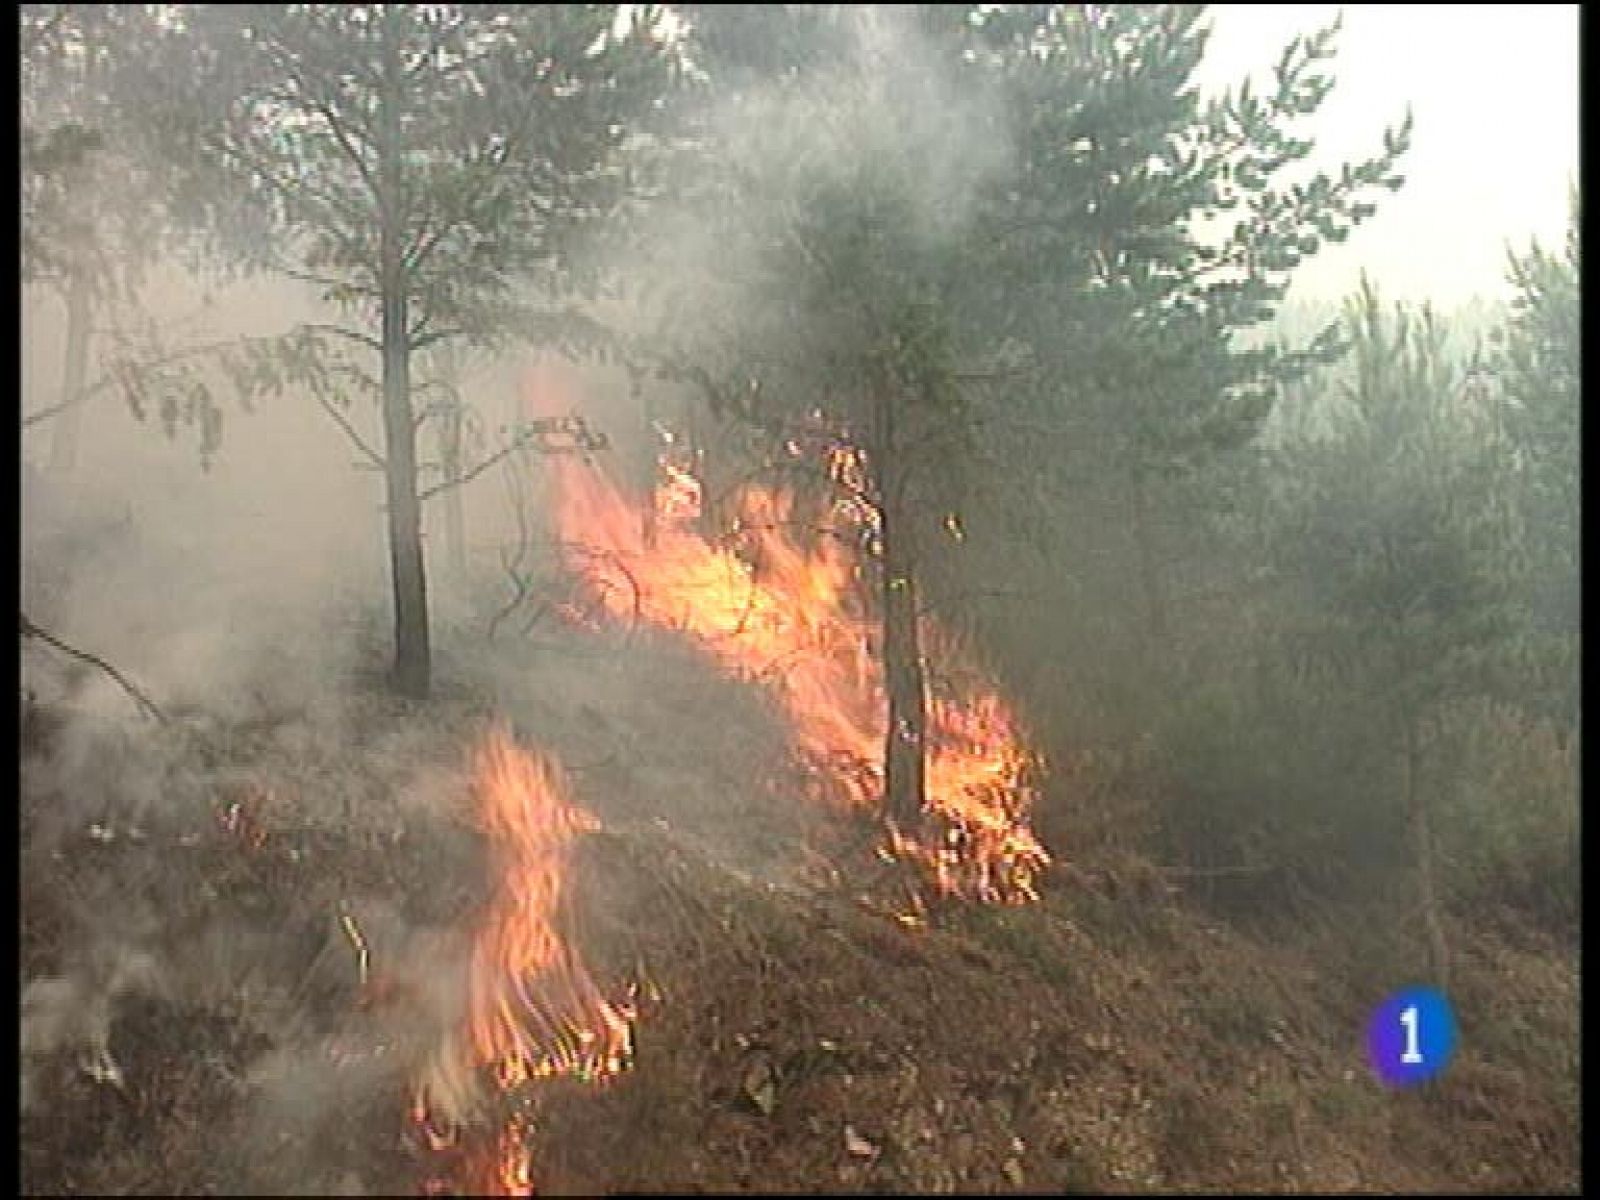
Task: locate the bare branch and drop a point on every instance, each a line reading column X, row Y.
column 324, row 281
column 479, row 194
column 426, row 244
column 436, row 385
column 349, row 148
column 583, row 439
column 483, row 466
column 146, row 705
column 602, row 554
column 111, row 376
column 343, row 422
column 298, row 191
column 293, row 190
column 44, row 414
column 421, row 341
column 361, row 339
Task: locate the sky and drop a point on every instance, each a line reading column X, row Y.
column 1494, row 91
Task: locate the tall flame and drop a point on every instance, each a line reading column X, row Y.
column 796, row 621
column 534, row 1012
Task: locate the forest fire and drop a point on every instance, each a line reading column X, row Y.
column 534, row 1012
column 796, row 622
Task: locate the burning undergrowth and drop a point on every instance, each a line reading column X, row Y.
column 188, row 893
column 365, row 902
column 534, row 1012
column 319, row 895
column 351, row 946
column 784, row 1038
column 772, row 607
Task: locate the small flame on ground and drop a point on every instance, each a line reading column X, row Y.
column 796, row 620
column 534, row 1012
column 241, row 819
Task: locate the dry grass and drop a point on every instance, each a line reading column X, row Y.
column 1115, row 1037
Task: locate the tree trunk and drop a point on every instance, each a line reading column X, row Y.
column 904, row 766
column 412, row 666
column 1417, row 816
column 74, row 370
column 413, row 659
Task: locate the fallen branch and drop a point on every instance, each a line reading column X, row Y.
column 146, row 705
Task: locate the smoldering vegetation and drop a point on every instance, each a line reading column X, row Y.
column 1301, row 670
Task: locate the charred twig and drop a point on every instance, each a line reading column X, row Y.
column 523, row 587
column 595, row 552
column 146, row 705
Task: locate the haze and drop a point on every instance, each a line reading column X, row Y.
column 1494, row 89
column 785, row 540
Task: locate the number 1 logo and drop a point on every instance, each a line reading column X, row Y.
column 1408, row 1018
column 1411, row 1036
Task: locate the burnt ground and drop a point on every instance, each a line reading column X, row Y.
column 188, row 892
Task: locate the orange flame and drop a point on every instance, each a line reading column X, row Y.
column 534, row 1012
column 564, row 1026
column 797, row 622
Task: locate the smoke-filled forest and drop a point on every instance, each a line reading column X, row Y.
column 774, row 599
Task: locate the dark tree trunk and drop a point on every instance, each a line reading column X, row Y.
column 412, row 666
column 75, row 369
column 904, row 766
column 413, row 658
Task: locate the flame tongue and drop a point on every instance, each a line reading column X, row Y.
column 534, row 1011
column 798, row 623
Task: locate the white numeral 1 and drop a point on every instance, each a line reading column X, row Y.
column 1408, row 1018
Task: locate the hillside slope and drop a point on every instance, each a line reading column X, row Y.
column 190, row 892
